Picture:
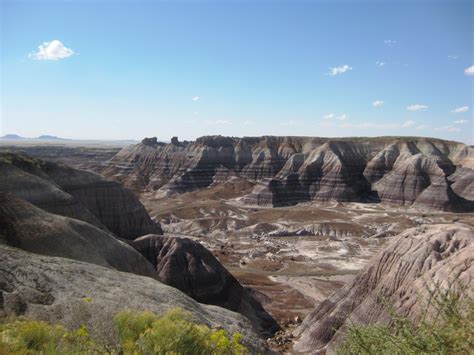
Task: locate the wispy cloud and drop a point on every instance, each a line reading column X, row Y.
column 461, row 121
column 390, row 42
column 380, row 64
column 331, row 116
column 377, row 103
column 289, row 123
column 417, row 107
column 453, row 56
column 408, row 123
column 469, row 71
column 217, row 122
column 461, row 109
column 248, row 123
column 195, row 113
column 339, row 70
column 422, row 126
column 378, row 126
column 448, row 129
column 369, row 125
column 53, row 50
column 196, row 98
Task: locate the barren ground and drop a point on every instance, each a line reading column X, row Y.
column 290, row 257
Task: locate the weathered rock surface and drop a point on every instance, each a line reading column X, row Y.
column 77, row 194
column 54, row 289
column 191, row 268
column 401, row 274
column 28, row 227
column 425, row 172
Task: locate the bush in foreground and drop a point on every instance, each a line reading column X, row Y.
column 34, row 337
column 175, row 333
column 139, row 333
column 450, row 330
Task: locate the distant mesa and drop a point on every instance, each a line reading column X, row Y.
column 50, row 138
column 11, row 136
column 44, row 137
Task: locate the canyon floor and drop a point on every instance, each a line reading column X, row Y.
column 291, row 258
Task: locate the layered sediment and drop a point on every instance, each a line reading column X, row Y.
column 191, row 268
column 423, row 172
column 416, row 262
column 76, row 194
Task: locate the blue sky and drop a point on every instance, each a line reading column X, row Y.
column 129, row 69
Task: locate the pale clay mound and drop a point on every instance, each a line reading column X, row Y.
column 400, row 274
column 424, row 172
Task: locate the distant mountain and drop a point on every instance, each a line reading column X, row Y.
column 11, row 136
column 50, row 138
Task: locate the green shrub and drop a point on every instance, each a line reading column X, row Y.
column 139, row 333
column 130, row 325
column 450, row 330
column 31, row 337
column 173, row 333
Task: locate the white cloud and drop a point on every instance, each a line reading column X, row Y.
column 461, row 121
column 461, row 109
column 248, row 123
column 383, row 126
column 390, row 42
column 53, row 50
column 408, row 123
column 422, row 126
column 417, row 107
column 339, row 70
column 195, row 113
column 453, row 56
column 448, row 129
column 331, row 116
column 377, row 103
column 370, row 125
column 469, row 71
column 196, row 98
column 380, row 64
column 289, row 123
column 217, row 122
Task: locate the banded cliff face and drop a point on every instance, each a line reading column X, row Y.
column 401, row 275
column 424, row 172
column 76, row 194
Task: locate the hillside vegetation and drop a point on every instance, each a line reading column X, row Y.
column 138, row 332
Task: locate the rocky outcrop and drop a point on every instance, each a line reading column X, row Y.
column 56, row 290
column 28, row 227
column 77, row 194
column 191, row 268
column 424, row 172
column 401, row 276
